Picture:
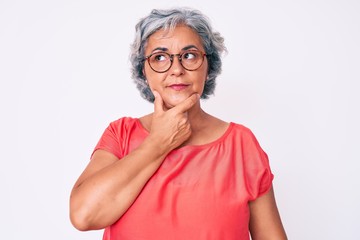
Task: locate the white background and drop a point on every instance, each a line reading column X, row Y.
column 291, row 75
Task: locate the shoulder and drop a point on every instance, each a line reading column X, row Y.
column 121, row 128
column 116, row 136
column 242, row 131
column 124, row 120
column 123, row 123
column 240, row 127
column 243, row 138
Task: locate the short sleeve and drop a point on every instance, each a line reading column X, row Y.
column 258, row 175
column 111, row 139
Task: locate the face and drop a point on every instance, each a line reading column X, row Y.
column 176, row 84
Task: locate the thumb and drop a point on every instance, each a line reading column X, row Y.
column 158, row 102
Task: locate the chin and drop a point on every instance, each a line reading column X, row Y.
column 173, row 101
column 171, row 104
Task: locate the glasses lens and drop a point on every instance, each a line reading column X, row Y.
column 192, row 59
column 160, row 61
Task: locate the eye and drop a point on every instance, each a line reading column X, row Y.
column 190, row 55
column 159, row 57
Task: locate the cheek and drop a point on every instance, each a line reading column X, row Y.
column 153, row 79
column 148, row 74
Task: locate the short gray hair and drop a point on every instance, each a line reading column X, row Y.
column 213, row 44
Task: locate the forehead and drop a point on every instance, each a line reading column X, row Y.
column 175, row 39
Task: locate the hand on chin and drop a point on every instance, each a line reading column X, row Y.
column 174, row 100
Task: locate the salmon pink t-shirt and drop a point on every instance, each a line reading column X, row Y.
column 198, row 193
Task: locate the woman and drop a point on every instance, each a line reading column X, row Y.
column 178, row 172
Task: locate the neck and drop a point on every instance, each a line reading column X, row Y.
column 197, row 116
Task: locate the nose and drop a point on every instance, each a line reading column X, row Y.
column 176, row 67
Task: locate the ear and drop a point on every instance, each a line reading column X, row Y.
column 143, row 72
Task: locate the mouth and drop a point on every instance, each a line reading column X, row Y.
column 178, row 86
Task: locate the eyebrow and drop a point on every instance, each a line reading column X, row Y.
column 163, row 49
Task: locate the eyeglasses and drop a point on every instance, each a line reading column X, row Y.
column 161, row 62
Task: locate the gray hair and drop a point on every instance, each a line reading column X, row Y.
column 213, row 44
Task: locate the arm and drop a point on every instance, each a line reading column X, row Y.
column 108, row 187
column 265, row 222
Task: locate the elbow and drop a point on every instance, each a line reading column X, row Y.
column 85, row 218
column 80, row 216
column 80, row 221
column 88, row 215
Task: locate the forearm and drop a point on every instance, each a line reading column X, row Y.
column 102, row 198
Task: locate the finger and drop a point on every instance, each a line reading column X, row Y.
column 158, row 102
column 188, row 103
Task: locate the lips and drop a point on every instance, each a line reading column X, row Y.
column 178, row 86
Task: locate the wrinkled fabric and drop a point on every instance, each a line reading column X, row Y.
column 199, row 192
